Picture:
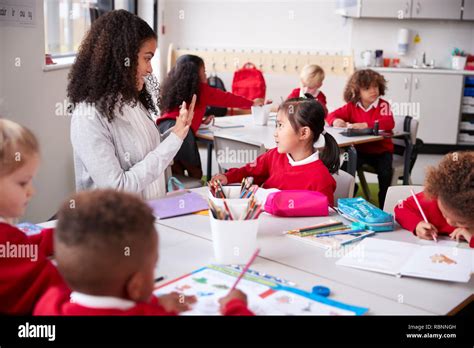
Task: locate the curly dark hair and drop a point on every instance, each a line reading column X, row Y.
column 181, row 83
column 363, row 79
column 453, row 182
column 106, row 65
column 94, row 231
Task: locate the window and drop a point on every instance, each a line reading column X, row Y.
column 66, row 22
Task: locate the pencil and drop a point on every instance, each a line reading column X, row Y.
column 422, row 212
column 254, row 256
column 228, row 210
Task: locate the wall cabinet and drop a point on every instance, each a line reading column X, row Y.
column 435, row 99
column 404, row 9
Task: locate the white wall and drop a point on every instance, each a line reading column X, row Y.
column 267, row 24
column 438, row 38
column 261, row 24
column 29, row 97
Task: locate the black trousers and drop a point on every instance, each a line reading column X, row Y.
column 382, row 163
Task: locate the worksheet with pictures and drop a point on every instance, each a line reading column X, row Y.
column 264, row 297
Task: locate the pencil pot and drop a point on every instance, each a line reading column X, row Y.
column 232, row 193
column 234, row 241
column 260, row 114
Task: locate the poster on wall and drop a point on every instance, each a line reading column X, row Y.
column 18, row 13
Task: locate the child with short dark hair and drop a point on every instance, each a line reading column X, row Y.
column 25, row 271
column 447, row 201
column 365, row 107
column 107, row 250
column 305, row 156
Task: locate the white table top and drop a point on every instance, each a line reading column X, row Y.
column 419, row 294
column 181, row 253
column 253, row 133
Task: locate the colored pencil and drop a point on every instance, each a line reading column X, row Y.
column 422, row 212
column 252, row 259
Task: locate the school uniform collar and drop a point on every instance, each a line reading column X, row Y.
column 314, row 95
column 313, row 158
column 373, row 105
column 92, row 301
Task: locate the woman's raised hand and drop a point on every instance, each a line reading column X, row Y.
column 184, row 119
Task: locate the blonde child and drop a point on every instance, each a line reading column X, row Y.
column 311, row 77
column 25, row 271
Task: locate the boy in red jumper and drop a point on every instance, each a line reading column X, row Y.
column 186, row 79
column 25, row 271
column 312, row 77
column 305, row 156
column 364, row 107
column 107, row 250
column 448, row 201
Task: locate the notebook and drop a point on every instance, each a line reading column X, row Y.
column 266, row 295
column 177, row 204
column 440, row 262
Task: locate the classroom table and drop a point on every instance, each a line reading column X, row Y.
column 182, row 252
column 410, row 294
column 249, row 131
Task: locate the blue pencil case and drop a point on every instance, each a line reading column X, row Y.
column 365, row 215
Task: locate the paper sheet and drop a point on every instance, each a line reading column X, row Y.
column 440, row 262
column 210, row 285
column 378, row 255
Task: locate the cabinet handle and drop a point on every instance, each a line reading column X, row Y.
column 405, row 84
column 418, row 7
column 416, row 83
column 407, row 4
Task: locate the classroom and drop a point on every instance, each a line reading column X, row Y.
column 234, row 157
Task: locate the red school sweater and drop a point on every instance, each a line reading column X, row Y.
column 208, row 96
column 56, row 301
column 353, row 113
column 273, row 170
column 320, row 98
column 408, row 215
column 23, row 280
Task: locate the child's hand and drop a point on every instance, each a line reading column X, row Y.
column 221, row 177
column 362, row 125
column 234, row 294
column 261, row 102
column 426, row 231
column 339, row 123
column 175, row 302
column 462, row 232
column 208, row 119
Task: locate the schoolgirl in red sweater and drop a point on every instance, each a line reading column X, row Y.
column 25, row 271
column 364, row 107
column 186, row 79
column 447, row 201
column 305, row 156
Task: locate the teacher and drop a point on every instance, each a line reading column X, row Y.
column 114, row 136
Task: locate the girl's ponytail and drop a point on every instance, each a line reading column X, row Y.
column 329, row 155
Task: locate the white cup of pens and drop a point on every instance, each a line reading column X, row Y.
column 260, row 114
column 234, row 225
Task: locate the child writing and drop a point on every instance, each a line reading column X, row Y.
column 25, row 271
column 107, row 250
column 364, row 107
column 447, row 201
column 312, row 77
column 184, row 80
column 305, row 156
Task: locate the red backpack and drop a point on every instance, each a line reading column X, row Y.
column 249, row 82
